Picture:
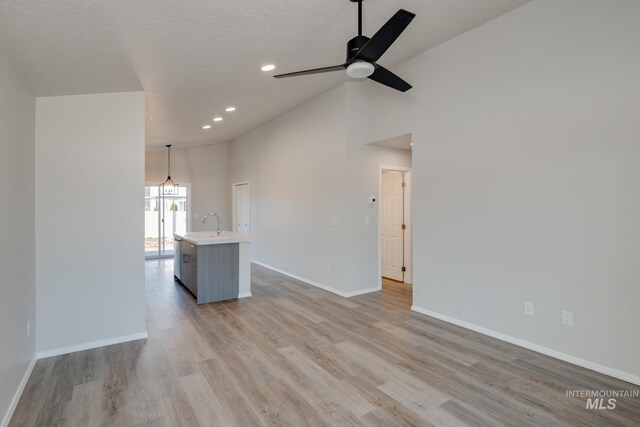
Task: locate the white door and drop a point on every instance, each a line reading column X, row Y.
column 391, row 225
column 241, row 208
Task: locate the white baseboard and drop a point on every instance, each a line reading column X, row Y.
column 90, row 345
column 361, row 292
column 244, row 295
column 531, row 346
column 316, row 284
column 18, row 394
column 300, row 278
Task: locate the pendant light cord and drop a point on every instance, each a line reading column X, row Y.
column 169, row 161
column 168, row 183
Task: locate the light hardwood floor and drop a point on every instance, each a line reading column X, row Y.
column 295, row 355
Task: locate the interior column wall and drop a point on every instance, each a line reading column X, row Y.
column 17, row 228
column 89, row 220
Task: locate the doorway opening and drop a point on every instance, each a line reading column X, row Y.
column 241, row 207
column 164, row 214
column 395, row 224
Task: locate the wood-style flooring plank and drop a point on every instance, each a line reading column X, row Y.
column 296, row 355
column 84, row 407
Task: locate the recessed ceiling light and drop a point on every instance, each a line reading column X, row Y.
column 206, row 127
column 230, row 109
column 268, row 67
column 217, row 119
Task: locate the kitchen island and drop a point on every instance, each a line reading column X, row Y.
column 213, row 268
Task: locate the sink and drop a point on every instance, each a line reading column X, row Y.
column 204, row 237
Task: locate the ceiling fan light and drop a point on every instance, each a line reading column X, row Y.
column 360, row 70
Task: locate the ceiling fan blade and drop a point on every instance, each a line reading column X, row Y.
column 385, row 37
column 387, row 78
column 312, row 71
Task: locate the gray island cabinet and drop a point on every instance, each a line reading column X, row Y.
column 212, row 267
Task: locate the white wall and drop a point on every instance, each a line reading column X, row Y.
column 296, row 166
column 17, row 221
column 206, row 168
column 310, row 185
column 89, row 167
column 363, row 178
column 526, row 171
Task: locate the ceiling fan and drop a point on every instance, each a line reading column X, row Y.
column 363, row 52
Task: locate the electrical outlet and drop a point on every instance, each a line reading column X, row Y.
column 367, row 221
column 28, row 328
column 528, row 308
column 567, row 318
column 329, row 267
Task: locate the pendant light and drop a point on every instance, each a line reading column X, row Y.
column 169, row 187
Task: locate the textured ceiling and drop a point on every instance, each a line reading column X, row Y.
column 195, row 57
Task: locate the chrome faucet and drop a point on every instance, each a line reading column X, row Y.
column 218, row 232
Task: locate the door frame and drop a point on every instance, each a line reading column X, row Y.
column 234, row 227
column 408, row 232
column 187, row 185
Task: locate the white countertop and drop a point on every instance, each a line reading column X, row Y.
column 210, row 237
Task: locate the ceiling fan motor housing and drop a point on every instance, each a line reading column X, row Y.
column 354, row 45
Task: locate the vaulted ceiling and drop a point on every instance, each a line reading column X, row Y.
column 193, row 58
